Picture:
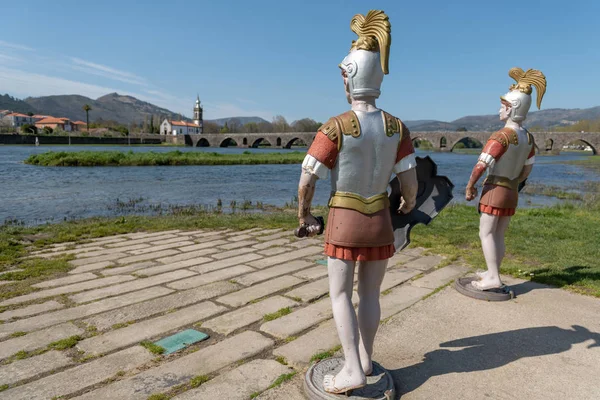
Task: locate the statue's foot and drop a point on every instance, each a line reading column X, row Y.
column 367, row 367
column 481, row 274
column 487, row 283
column 343, row 382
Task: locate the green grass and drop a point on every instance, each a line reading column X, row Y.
column 278, row 314
column 153, row 348
column 159, row 397
column 325, row 354
column 119, row 158
column 65, row 343
column 18, row 334
column 281, row 379
column 552, row 245
column 199, row 380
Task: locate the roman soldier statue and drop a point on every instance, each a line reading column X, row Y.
column 508, row 157
column 361, row 149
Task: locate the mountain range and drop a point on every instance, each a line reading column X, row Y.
column 127, row 109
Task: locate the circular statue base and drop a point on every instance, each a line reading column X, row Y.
column 463, row 286
column 380, row 385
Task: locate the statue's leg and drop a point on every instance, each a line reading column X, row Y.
column 487, row 233
column 370, row 276
column 341, row 277
column 499, row 238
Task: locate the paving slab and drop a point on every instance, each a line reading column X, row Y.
column 440, row 277
column 299, row 351
column 31, row 310
column 160, row 305
column 239, row 238
column 145, row 240
column 161, row 269
column 28, row 368
column 80, row 377
column 282, row 258
column 271, row 243
column 210, row 244
column 275, row 236
column 213, row 233
column 181, row 370
column 413, row 251
column 123, row 249
column 162, row 247
column 39, row 339
column 244, row 296
column 310, row 291
column 227, row 262
column 91, row 267
column 273, row 272
column 127, row 269
column 424, row 263
column 273, row 251
column 539, row 346
column 396, row 276
column 301, row 319
column 65, row 281
column 199, row 280
column 232, row 253
column 96, row 260
column 263, row 232
column 138, row 284
column 399, row 258
column 76, row 287
column 312, row 273
column 401, row 298
column 187, row 256
column 302, row 243
column 147, row 256
column 177, row 239
column 148, row 329
column 255, row 376
column 231, row 321
column 290, row 390
column 68, row 314
column 237, row 244
column 160, row 234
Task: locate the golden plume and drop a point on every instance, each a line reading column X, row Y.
column 374, row 34
column 526, row 79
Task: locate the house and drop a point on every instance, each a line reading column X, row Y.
column 17, row 120
column 39, row 117
column 170, row 127
column 79, row 126
column 64, row 124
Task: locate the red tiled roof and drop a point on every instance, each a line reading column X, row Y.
column 183, row 123
column 40, row 116
column 78, row 123
column 51, row 120
column 17, row 115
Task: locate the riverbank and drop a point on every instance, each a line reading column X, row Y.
column 592, row 163
column 122, row 159
column 554, row 245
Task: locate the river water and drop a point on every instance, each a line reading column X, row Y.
column 34, row 194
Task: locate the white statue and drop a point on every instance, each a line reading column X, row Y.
column 508, row 156
column 362, row 148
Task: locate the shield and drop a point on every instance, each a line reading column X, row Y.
column 434, row 193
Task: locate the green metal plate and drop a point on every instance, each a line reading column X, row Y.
column 180, row 340
column 322, row 262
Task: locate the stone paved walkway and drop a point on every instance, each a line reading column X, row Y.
column 260, row 295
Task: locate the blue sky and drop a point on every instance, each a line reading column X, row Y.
column 448, row 58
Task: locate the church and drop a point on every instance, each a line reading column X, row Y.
column 183, row 127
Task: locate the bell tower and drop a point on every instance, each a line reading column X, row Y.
column 198, row 113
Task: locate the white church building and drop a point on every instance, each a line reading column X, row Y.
column 169, row 127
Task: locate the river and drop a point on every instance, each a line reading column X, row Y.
column 33, row 194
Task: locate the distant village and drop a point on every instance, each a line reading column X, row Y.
column 46, row 123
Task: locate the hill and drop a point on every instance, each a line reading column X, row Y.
column 242, row 120
column 10, row 103
column 113, row 106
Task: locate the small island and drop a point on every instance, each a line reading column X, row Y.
column 172, row 158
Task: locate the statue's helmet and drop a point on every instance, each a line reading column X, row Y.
column 519, row 95
column 368, row 58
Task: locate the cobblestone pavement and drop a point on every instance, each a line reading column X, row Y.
column 260, row 295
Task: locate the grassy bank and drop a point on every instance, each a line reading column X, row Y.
column 117, row 158
column 555, row 245
column 592, row 163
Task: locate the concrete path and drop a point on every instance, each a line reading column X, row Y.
column 261, row 296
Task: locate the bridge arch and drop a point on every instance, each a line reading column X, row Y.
column 245, row 142
column 467, row 142
column 443, row 142
column 228, row 142
column 278, row 142
column 258, row 141
column 585, row 142
column 549, row 144
column 203, row 143
column 295, row 140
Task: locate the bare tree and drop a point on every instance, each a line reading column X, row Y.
column 280, row 124
column 234, row 125
column 265, row 127
column 305, row 125
column 211, row 127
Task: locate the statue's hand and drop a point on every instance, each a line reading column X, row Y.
column 405, row 207
column 471, row 193
column 311, row 224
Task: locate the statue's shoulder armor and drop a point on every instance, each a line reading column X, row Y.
column 394, row 125
column 530, row 138
column 505, row 137
column 343, row 124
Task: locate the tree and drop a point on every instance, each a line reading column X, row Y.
column 211, row 127
column 225, row 128
column 151, row 123
column 305, row 125
column 250, row 127
column 28, row 128
column 280, row 124
column 234, row 125
column 47, row 130
column 87, row 109
column 265, row 127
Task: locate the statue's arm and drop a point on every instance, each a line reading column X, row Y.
column 492, row 152
column 320, row 158
column 405, row 170
column 528, row 165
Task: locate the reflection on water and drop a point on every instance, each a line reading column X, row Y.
column 32, row 193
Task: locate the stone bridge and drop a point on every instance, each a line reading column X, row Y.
column 440, row 141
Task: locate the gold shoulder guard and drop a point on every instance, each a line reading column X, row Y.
column 393, row 125
column 505, row 137
column 346, row 124
column 530, row 138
